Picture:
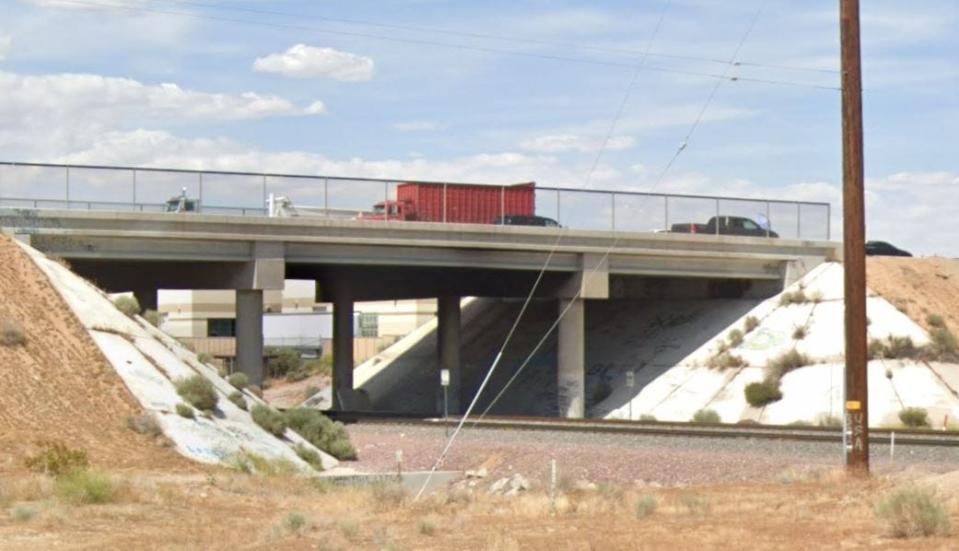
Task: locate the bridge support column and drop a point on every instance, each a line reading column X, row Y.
column 571, row 359
column 342, row 352
column 448, row 347
column 249, row 334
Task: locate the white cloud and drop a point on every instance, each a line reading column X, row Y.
column 558, row 143
column 416, row 126
column 304, row 61
column 316, row 108
column 76, row 98
column 5, row 43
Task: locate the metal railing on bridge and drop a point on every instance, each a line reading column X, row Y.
column 126, row 189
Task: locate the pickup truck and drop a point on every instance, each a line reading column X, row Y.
column 728, row 225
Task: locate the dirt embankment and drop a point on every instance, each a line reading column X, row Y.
column 57, row 385
column 918, row 286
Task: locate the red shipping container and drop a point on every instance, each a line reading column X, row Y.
column 465, row 203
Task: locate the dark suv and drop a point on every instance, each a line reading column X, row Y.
column 881, row 248
column 525, row 220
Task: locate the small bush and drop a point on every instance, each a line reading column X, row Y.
column 786, row 362
column 816, row 297
column 751, row 323
column 56, row 459
column 251, row 463
column 323, row 366
column 310, row 392
column 914, row 512
column 11, row 334
column 86, row 487
column 914, row 417
column 238, row 380
column 320, row 431
column 901, row 348
column 271, row 420
column 763, row 393
column 794, row 297
column 128, row 305
column 799, row 333
column 696, row 504
column 944, row 347
column 706, row 416
column 204, row 358
column 198, row 391
column 22, row 513
column 647, row 417
column 726, row 360
column 144, row 424
column 185, row 411
column 282, row 361
column 294, row 522
column 389, row 494
column 152, row 317
column 830, row 421
column 645, row 506
column 877, row 349
column 426, row 528
column 236, row 397
column 935, row 320
column 735, row 338
column 310, row 456
column 297, row 374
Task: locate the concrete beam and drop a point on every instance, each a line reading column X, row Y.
column 448, row 348
column 249, row 334
column 343, row 353
column 571, row 359
column 591, row 281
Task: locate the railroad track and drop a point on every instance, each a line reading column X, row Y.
column 660, row 428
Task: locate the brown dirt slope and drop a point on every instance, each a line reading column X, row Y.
column 58, row 386
column 918, row 286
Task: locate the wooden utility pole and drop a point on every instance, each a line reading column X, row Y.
column 854, row 234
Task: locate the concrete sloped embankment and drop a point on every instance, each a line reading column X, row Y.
column 149, row 362
column 811, row 324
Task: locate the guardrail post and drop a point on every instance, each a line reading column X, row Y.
column 502, row 205
column 444, row 203
column 828, row 222
column 717, row 216
column 67, row 185
column 326, row 197
column 134, row 171
column 199, row 201
column 798, row 221
column 666, row 212
column 386, row 200
column 612, row 200
column 265, row 196
column 769, row 221
column 559, row 196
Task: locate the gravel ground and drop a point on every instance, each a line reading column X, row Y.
column 623, row 459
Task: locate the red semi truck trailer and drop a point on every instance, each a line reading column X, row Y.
column 464, row 203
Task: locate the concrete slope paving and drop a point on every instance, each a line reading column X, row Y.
column 149, row 363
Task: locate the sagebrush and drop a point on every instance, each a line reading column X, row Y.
column 914, row 512
column 56, row 459
column 198, row 391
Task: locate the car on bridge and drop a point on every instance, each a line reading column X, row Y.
column 526, row 220
column 882, row 248
column 726, row 225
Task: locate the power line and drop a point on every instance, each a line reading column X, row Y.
column 499, row 37
column 451, row 45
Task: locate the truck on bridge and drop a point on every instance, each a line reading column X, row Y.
column 726, row 225
column 459, row 203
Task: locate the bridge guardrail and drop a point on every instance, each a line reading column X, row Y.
column 127, row 189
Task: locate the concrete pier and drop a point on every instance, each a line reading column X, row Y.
column 249, row 334
column 448, row 348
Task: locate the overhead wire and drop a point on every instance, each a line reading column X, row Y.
column 615, row 242
column 546, row 263
column 450, row 45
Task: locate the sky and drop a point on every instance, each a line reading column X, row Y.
column 620, row 95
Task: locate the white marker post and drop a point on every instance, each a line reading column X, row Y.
column 630, row 383
column 445, row 382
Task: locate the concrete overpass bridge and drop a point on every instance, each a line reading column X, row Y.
column 356, row 260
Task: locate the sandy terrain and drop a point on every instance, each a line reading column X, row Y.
column 918, row 286
column 284, row 394
column 58, row 386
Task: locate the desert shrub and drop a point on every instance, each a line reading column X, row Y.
column 914, row 417
column 11, row 334
column 935, row 320
column 144, row 424
column 751, row 323
column 204, row 358
column 426, row 528
column 320, row 431
column 22, row 513
column 793, row 297
column 944, row 347
column 786, row 362
column 600, row 392
column 800, row 423
column 310, row 392
column 735, row 338
column 152, row 317
column 816, row 297
column 726, row 360
column 322, row 366
column 696, row 504
column 647, row 417
column 185, row 411
column 645, row 506
column 763, row 393
column 706, row 416
column 282, row 361
column 86, row 487
column 128, row 305
column 198, row 391
column 799, row 333
column 56, row 459
column 389, row 494
column 297, row 374
column 830, row 421
column 250, row 463
column 310, row 456
column 236, row 397
column 271, row 420
column 900, row 347
column 294, row 522
column 238, row 380
column 877, row 349
column 914, row 512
